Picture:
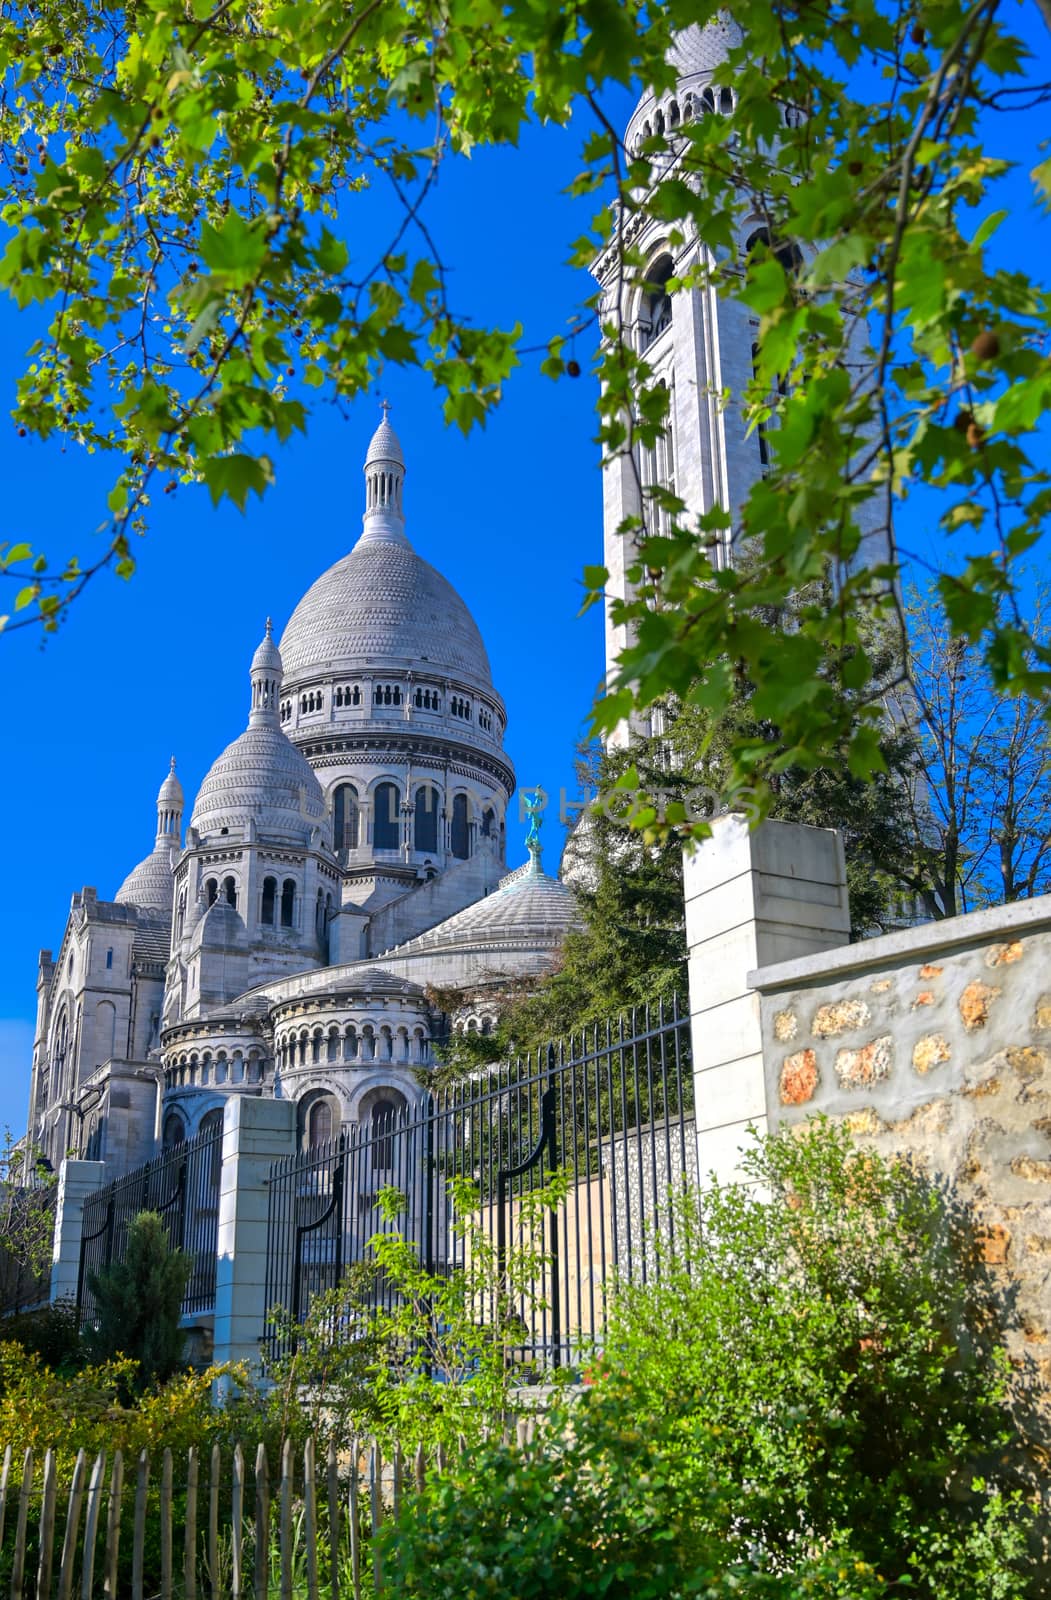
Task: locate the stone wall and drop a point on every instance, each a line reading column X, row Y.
column 936, row 1042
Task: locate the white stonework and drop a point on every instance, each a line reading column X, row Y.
column 362, row 810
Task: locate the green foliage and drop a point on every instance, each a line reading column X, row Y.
column 589, row 1510
column 90, row 1409
column 320, row 1382
column 876, row 815
column 435, row 1359
column 139, row 1302
column 27, row 1223
column 182, row 195
column 52, row 1333
column 811, row 1398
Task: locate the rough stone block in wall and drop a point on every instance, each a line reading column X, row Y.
column 936, row 1042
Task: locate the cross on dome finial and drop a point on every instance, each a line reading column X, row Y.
column 172, row 768
column 385, row 408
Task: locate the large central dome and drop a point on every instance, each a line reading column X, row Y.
column 383, row 606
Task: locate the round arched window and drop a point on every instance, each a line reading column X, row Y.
column 319, row 1123
column 174, row 1130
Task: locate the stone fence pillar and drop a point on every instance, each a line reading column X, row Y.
column 752, row 898
column 256, row 1133
column 77, row 1181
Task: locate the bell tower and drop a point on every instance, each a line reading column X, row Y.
column 700, row 345
column 697, row 345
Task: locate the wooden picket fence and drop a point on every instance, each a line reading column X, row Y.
column 317, row 1524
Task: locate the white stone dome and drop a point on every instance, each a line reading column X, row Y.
column 519, row 929
column 260, row 780
column 383, row 606
column 150, row 883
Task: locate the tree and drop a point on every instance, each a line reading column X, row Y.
column 182, row 179
column 139, row 1302
column 980, row 790
column 27, row 1223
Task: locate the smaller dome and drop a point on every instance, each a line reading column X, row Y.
column 264, row 780
column 267, row 657
column 529, row 907
column 150, row 884
column 170, row 793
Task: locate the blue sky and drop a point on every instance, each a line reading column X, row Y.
column 159, row 666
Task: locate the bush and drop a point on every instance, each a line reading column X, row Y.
column 139, row 1304
column 51, row 1332
column 811, row 1398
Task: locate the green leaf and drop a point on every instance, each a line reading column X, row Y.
column 236, row 250
column 235, row 477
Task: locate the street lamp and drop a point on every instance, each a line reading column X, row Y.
column 82, row 1111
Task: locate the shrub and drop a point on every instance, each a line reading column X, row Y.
column 139, row 1304
column 51, row 1332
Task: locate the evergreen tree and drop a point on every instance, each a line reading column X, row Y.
column 139, row 1303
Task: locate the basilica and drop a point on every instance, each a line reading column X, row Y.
column 344, row 859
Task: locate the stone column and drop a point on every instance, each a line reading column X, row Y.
column 752, row 898
column 256, row 1133
column 77, row 1181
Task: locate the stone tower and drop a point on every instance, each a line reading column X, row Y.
column 700, row 345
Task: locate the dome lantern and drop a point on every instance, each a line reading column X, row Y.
column 384, row 516
column 169, row 809
column 266, row 674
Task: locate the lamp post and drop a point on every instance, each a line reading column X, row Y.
column 82, row 1111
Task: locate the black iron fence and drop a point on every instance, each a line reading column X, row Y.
column 182, row 1185
column 611, row 1113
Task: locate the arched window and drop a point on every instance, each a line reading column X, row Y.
column 386, row 829
column 230, row 891
column 425, row 824
column 319, row 1123
column 288, row 903
column 105, row 1030
column 488, row 822
column 269, row 902
column 655, row 314
column 460, row 840
column 345, row 817
column 59, row 1051
column 181, row 916
column 174, row 1130
column 320, row 916
column 211, row 890
column 787, row 253
column 384, row 1116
